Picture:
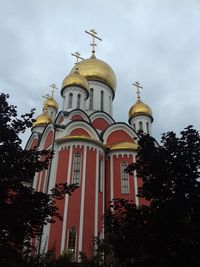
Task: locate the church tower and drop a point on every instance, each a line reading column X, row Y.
column 140, row 114
column 91, row 150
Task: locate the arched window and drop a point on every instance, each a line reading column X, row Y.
column 78, row 101
column 91, row 98
column 76, row 169
column 124, row 179
column 70, row 100
column 134, row 126
column 102, row 104
column 147, row 127
column 140, row 125
column 72, row 242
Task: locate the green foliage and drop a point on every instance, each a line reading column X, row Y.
column 164, row 232
column 102, row 255
column 23, row 211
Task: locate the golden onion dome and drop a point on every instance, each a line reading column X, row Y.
column 140, row 108
column 124, row 146
column 97, row 70
column 50, row 102
column 75, row 78
column 42, row 120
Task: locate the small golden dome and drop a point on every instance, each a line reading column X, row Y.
column 98, row 70
column 124, row 146
column 51, row 102
column 42, row 120
column 75, row 78
column 140, row 108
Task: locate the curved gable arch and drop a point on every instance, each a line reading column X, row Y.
column 102, row 114
column 33, row 141
column 81, row 128
column 78, row 114
column 101, row 120
column 118, row 132
column 60, row 117
column 47, row 137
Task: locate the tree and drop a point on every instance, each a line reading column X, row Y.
column 23, row 211
column 166, row 231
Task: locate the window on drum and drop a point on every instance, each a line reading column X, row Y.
column 124, row 179
column 76, row 169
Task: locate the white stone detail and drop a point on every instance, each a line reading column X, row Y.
column 66, row 203
column 75, row 90
column 96, row 195
column 136, row 188
column 82, row 200
column 107, row 95
column 52, row 181
column 111, row 179
column 145, row 120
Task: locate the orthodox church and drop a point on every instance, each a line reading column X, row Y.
column 91, row 150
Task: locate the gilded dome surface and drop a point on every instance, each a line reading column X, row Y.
column 50, row 102
column 98, row 70
column 75, row 78
column 124, row 146
column 140, row 108
column 42, row 120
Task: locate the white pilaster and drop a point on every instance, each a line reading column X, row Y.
column 103, row 181
column 136, row 188
column 82, row 199
column 52, row 181
column 96, row 195
column 66, row 203
column 111, row 178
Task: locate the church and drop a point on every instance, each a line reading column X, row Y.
column 91, row 150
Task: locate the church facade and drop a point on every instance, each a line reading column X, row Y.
column 91, row 150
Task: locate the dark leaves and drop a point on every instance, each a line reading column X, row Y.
column 165, row 232
column 23, row 211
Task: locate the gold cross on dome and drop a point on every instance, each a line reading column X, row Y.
column 53, row 86
column 77, row 55
column 93, row 33
column 138, row 87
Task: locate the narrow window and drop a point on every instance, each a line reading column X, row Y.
column 140, row 125
column 77, row 169
column 134, row 126
column 70, row 100
column 72, row 242
column 78, row 101
column 100, row 176
column 91, row 98
column 147, row 127
column 110, row 101
column 102, row 100
column 124, row 179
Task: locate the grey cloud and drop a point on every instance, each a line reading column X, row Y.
column 155, row 42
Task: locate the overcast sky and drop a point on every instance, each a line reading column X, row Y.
column 156, row 42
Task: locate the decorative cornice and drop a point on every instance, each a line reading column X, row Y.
column 80, row 138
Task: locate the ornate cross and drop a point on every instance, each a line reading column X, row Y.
column 138, row 87
column 77, row 55
column 93, row 33
column 53, row 86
